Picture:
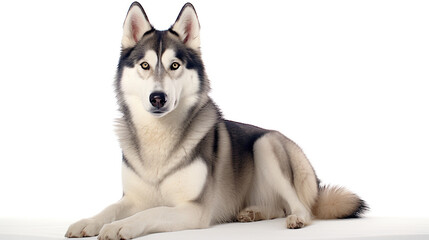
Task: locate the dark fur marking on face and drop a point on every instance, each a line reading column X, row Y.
column 159, row 41
column 192, row 59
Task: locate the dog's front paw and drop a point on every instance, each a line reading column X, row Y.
column 120, row 230
column 84, row 228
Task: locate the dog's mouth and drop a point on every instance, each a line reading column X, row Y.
column 158, row 112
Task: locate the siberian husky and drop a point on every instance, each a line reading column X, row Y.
column 184, row 165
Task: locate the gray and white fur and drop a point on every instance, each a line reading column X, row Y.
column 184, row 166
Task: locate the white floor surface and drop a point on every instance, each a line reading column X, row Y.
column 374, row 228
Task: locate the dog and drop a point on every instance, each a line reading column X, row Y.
column 184, row 165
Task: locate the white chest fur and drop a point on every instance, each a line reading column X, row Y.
column 184, row 184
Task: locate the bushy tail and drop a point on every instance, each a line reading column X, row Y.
column 337, row 202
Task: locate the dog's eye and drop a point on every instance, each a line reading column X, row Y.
column 145, row 65
column 174, row 66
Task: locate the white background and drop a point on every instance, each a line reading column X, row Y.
column 346, row 80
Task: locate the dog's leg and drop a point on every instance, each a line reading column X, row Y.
column 267, row 164
column 159, row 219
column 91, row 226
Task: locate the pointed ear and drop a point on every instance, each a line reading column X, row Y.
column 136, row 24
column 188, row 27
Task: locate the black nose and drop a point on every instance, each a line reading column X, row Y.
column 158, row 99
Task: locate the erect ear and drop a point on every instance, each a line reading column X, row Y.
column 135, row 25
column 188, row 27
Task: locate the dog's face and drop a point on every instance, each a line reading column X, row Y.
column 160, row 70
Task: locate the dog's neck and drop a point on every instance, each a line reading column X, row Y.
column 159, row 137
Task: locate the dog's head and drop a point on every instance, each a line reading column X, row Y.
column 160, row 71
